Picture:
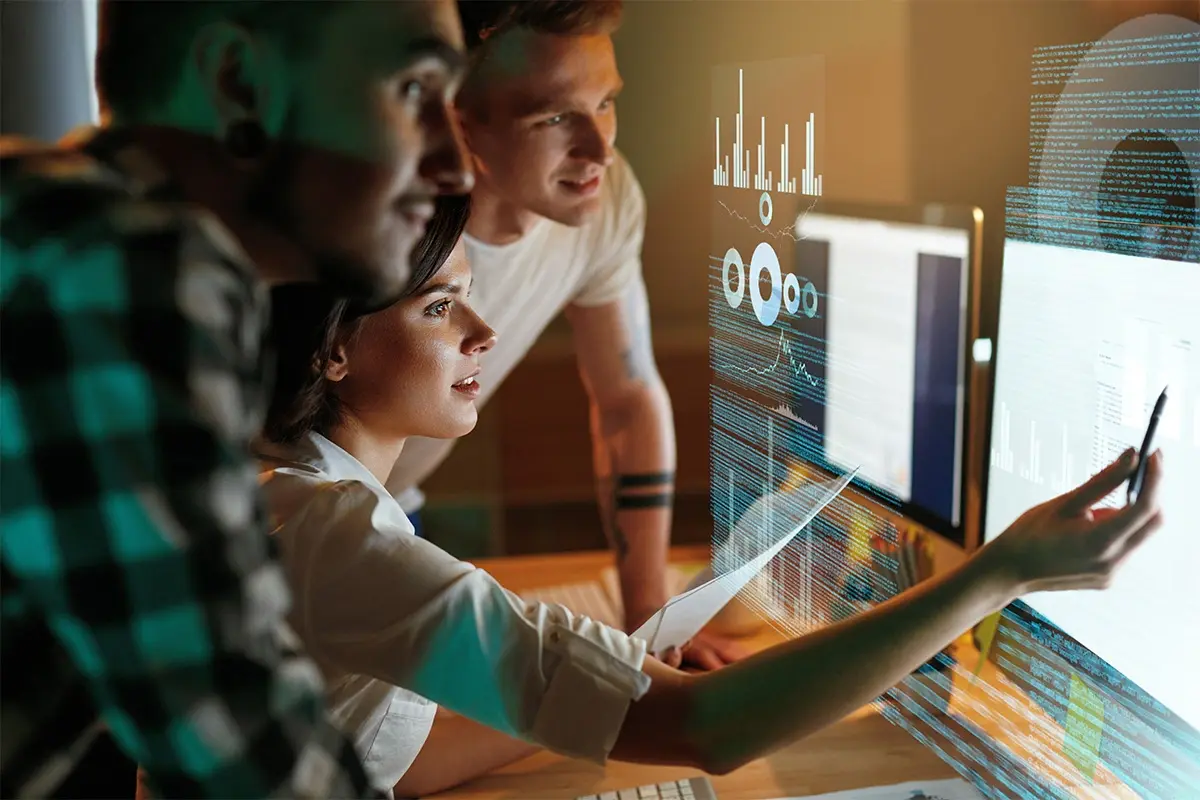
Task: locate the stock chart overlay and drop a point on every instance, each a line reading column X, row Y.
column 837, row 342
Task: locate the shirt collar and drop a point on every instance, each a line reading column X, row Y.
column 117, row 149
column 320, row 455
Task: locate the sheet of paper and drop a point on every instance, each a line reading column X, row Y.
column 678, row 578
column 774, row 519
column 952, row 789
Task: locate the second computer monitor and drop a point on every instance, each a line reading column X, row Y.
column 902, row 287
column 1087, row 339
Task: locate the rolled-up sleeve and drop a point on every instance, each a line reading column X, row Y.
column 373, row 599
column 599, row 674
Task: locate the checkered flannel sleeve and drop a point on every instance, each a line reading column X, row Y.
column 132, row 380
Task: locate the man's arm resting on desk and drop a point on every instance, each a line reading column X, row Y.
column 722, row 720
column 633, row 444
column 633, row 437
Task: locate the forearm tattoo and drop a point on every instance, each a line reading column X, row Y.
column 635, row 492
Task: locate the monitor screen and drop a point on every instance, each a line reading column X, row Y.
column 1087, row 341
column 895, row 338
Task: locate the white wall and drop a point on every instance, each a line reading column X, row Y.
column 45, row 67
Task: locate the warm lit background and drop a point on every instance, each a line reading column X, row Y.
column 925, row 101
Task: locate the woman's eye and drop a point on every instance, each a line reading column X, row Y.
column 557, row 119
column 439, row 309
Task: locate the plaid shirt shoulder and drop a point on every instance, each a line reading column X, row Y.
column 139, row 585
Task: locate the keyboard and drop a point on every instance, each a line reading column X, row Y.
column 682, row 789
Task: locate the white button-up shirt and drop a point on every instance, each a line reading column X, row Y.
column 392, row 619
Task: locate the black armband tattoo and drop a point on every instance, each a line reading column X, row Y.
column 628, row 493
column 633, row 502
column 644, row 480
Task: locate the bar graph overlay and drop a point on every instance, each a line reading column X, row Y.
column 1063, row 474
column 1002, row 454
column 1032, row 471
column 811, row 181
column 741, row 169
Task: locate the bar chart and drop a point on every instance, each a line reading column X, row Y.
column 811, row 181
column 1065, row 480
column 1062, row 475
column 1002, row 454
column 741, row 169
column 1032, row 471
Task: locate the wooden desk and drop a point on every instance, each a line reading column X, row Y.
column 861, row 750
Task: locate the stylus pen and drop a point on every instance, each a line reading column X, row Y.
column 1139, row 475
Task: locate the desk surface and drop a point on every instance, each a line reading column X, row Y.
column 861, row 750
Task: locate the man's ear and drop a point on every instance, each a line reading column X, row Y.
column 241, row 75
column 338, row 366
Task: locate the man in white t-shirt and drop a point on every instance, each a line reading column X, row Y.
column 556, row 225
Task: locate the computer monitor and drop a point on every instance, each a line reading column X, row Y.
column 1086, row 341
column 902, row 286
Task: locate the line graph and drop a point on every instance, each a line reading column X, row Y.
column 785, row 349
column 784, row 410
column 775, row 234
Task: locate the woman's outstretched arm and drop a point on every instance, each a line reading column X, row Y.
column 396, row 608
column 721, row 720
column 456, row 751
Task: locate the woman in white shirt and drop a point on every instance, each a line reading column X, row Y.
column 406, row 742
column 379, row 608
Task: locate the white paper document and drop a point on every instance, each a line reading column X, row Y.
column 766, row 528
column 952, row 789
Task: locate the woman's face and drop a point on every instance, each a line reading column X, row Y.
column 410, row 369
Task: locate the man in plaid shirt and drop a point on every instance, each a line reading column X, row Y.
column 252, row 143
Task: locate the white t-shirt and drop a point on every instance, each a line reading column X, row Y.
column 521, row 287
column 378, row 609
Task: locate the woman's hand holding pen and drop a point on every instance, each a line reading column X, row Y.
column 802, row 685
column 1066, row 543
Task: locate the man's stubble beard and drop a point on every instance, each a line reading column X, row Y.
column 271, row 200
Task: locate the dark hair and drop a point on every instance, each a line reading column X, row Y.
column 483, row 19
column 143, row 44
column 307, row 322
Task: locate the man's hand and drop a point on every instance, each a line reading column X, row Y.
column 704, row 653
column 709, row 651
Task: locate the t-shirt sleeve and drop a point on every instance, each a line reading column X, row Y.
column 380, row 602
column 618, row 243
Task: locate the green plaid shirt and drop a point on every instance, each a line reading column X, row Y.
column 139, row 588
